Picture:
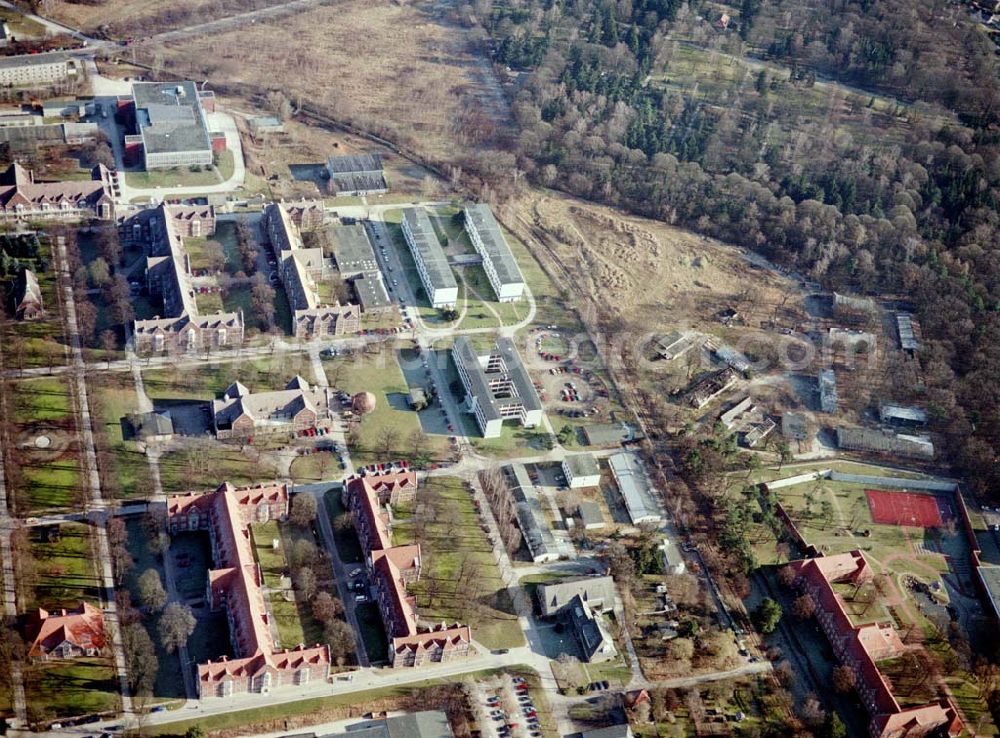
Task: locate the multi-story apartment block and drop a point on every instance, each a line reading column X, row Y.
column 21, row 197
column 497, row 386
column 235, row 585
column 168, row 274
column 432, row 264
column 861, row 647
column 299, row 268
column 392, row 568
column 39, row 69
column 498, row 261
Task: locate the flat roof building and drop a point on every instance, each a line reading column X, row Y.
column 36, row 69
column 497, row 386
column 875, row 440
column 640, row 497
column 353, row 250
column 425, row 724
column 432, row 263
column 171, row 124
column 498, row 261
column 356, row 175
column 581, row 470
column 590, row 515
column 903, row 415
column 906, row 329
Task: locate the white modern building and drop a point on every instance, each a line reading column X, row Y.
column 497, row 386
column 640, row 498
column 581, row 470
column 432, row 264
column 498, row 261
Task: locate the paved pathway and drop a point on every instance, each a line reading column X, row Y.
column 93, row 481
column 7, row 526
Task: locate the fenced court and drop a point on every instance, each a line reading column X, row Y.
column 889, row 507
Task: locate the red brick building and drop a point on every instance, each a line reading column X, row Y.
column 65, row 634
column 392, row 568
column 861, row 647
column 21, row 197
column 235, row 586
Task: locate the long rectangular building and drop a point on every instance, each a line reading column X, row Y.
column 432, row 264
column 36, row 69
column 862, row 647
column 393, row 568
column 497, row 386
column 259, row 664
column 168, row 276
column 498, row 261
column 299, row 268
column 640, row 497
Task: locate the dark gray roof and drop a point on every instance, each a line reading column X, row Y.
column 480, row 380
column 32, row 60
column 424, row 724
column 589, row 633
column 426, row 248
column 495, row 246
column 590, row 513
column 354, row 164
column 530, row 515
column 170, row 117
column 153, row 424
column 596, row 591
column 613, row 731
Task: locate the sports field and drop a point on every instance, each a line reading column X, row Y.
column 915, row 509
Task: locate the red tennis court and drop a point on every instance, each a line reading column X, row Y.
column 903, row 508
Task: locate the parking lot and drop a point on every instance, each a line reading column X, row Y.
column 507, row 709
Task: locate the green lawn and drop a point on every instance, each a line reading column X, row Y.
column 64, row 570
column 294, row 619
column 34, row 343
column 208, row 380
column 113, row 397
column 76, row 687
column 209, row 464
column 460, row 580
column 181, row 177
column 381, row 375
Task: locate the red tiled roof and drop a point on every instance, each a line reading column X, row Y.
column 236, row 580
column 443, row 636
column 82, row 627
column 862, row 646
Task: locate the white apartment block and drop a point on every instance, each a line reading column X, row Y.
column 432, row 264
column 498, row 261
column 38, row 69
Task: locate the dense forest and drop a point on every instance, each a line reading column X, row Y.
column 724, row 119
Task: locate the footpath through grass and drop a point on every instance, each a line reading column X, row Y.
column 460, row 581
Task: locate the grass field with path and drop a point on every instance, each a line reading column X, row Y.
column 460, row 581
